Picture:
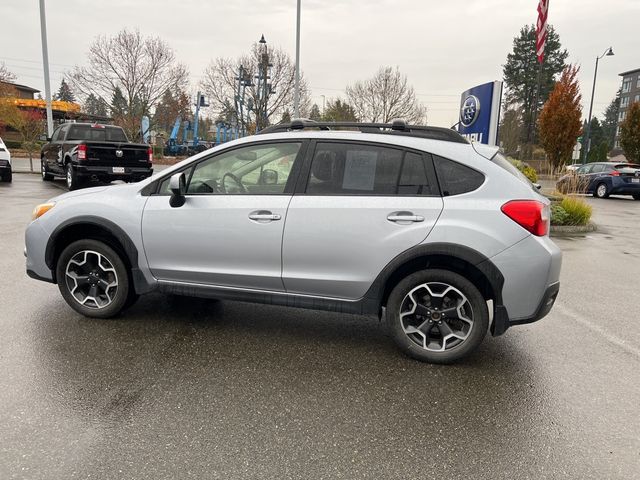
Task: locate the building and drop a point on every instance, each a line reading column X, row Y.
column 630, row 93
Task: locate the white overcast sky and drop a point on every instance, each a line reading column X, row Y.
column 443, row 46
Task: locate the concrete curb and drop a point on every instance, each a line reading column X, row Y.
column 572, row 230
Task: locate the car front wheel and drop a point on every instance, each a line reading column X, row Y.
column 93, row 279
column 437, row 316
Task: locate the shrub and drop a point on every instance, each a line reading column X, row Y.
column 530, row 173
column 527, row 170
column 157, row 151
column 559, row 215
column 571, row 211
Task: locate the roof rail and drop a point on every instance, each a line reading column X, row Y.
column 397, row 127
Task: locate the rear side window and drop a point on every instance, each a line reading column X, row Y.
column 355, row 169
column 456, row 178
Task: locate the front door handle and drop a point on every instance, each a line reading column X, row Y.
column 264, row 216
column 402, row 217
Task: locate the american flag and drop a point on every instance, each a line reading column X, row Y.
column 541, row 29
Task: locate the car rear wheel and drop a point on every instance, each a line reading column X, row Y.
column 73, row 182
column 636, row 196
column 7, row 177
column 46, row 176
column 601, row 191
column 437, row 316
column 93, row 279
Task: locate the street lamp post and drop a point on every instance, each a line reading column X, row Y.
column 296, row 90
column 587, row 140
column 45, row 66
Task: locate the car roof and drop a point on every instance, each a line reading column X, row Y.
column 438, row 147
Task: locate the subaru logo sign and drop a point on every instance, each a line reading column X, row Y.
column 470, row 110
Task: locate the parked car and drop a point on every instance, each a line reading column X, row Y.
column 83, row 152
column 573, row 167
column 414, row 224
column 603, row 179
column 5, row 163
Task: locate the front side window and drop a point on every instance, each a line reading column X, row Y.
column 56, row 135
column 252, row 170
column 456, row 178
column 356, row 169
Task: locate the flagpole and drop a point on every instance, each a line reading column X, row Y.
column 535, row 104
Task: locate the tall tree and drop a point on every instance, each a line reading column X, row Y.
column 6, row 76
column 521, row 75
column 171, row 106
column 610, row 121
column 141, row 68
column 220, row 84
column 64, row 93
column 315, row 113
column 386, row 96
column 30, row 125
column 596, row 136
column 286, row 117
column 559, row 121
column 94, row 106
column 630, row 133
column 511, row 131
column 339, row 111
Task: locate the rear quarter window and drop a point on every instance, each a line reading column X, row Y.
column 455, row 178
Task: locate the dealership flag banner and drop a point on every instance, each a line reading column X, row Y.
column 541, row 29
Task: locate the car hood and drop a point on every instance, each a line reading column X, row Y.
column 94, row 191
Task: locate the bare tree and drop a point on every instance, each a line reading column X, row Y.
column 220, row 84
column 385, row 96
column 142, row 68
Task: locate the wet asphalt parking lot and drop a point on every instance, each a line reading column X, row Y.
column 198, row 389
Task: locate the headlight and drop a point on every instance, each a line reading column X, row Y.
column 42, row 209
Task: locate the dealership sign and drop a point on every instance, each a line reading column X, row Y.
column 480, row 113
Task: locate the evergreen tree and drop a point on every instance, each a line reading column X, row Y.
column 339, row 111
column 315, row 113
column 94, row 106
column 596, row 136
column 64, row 93
column 119, row 104
column 521, row 75
column 610, row 121
column 286, row 117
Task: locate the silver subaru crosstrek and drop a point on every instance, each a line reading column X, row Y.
column 441, row 238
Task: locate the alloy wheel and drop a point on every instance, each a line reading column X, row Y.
column 602, row 190
column 69, row 177
column 436, row 316
column 91, row 279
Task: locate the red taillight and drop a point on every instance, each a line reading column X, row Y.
column 82, row 152
column 531, row 215
column 150, row 154
column 614, row 173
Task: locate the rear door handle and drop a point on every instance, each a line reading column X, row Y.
column 264, row 216
column 404, row 217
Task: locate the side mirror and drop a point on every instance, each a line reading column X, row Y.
column 178, row 187
column 45, row 138
column 537, row 185
column 269, row 177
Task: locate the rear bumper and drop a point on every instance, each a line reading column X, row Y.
column 621, row 187
column 107, row 172
column 544, row 307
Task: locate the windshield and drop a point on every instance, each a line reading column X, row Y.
column 96, row 133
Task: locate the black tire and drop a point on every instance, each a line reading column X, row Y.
column 409, row 345
column 123, row 295
column 7, row 177
column 636, row 196
column 601, row 192
column 44, row 171
column 71, row 176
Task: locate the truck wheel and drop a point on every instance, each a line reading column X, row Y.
column 7, row 177
column 93, row 279
column 636, row 196
column 46, row 176
column 437, row 316
column 73, row 182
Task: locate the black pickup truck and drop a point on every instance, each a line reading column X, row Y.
column 83, row 152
